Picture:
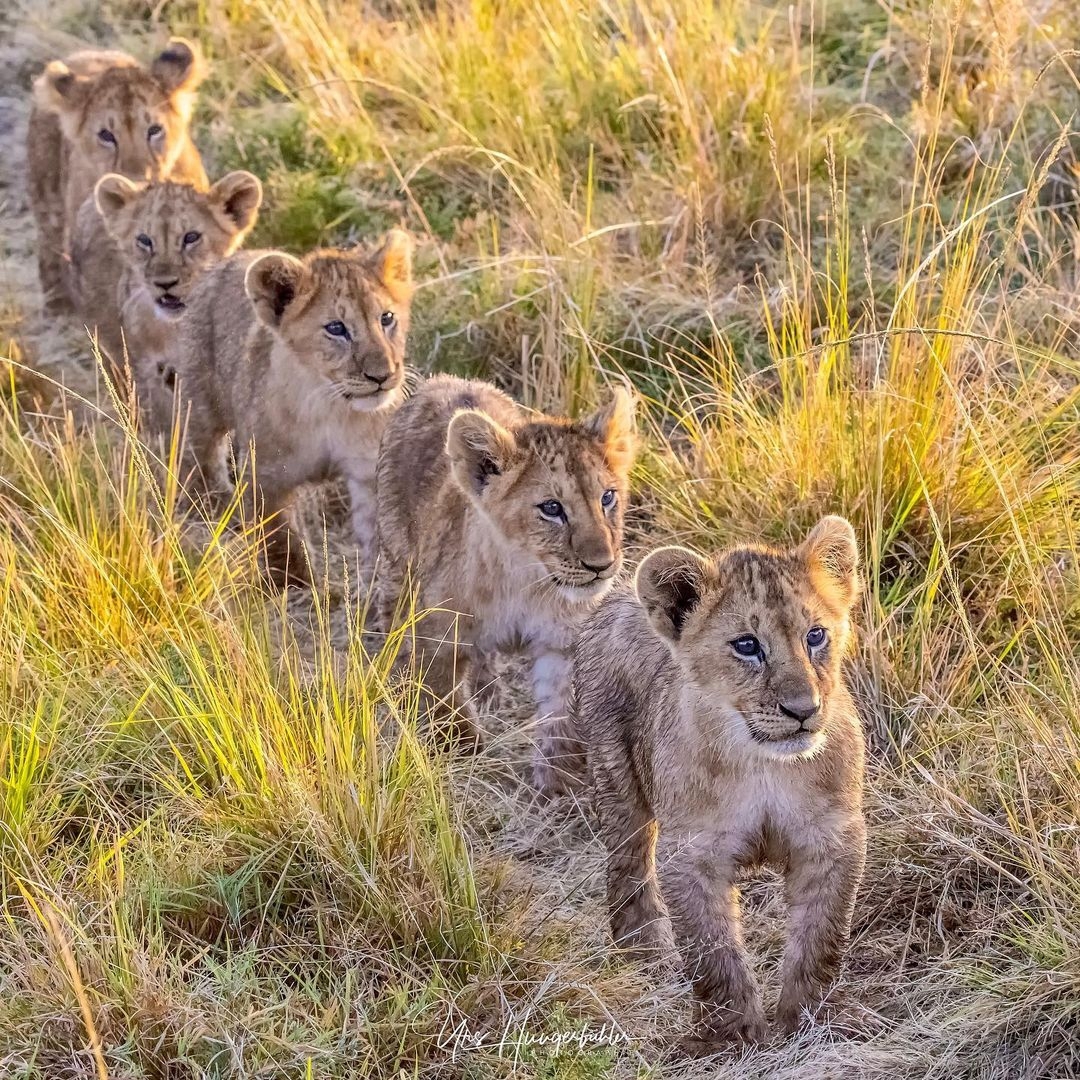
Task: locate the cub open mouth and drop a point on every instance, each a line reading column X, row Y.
column 168, row 302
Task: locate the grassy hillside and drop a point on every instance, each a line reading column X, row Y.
column 834, row 248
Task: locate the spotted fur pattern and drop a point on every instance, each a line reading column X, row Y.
column 705, row 762
column 97, row 112
column 464, row 478
column 131, row 285
column 258, row 361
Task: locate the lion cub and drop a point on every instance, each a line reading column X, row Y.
column 161, row 238
column 97, row 112
column 510, row 518
column 305, row 361
column 720, row 735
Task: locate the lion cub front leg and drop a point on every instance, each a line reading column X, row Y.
column 639, row 920
column 283, row 549
column 697, row 881
column 558, row 763
column 364, row 527
column 821, row 899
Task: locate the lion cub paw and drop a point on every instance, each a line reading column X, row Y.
column 709, row 1038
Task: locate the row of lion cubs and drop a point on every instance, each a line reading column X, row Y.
column 704, row 705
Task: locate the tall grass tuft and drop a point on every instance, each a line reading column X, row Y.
column 833, row 246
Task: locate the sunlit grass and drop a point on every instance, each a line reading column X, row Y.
column 195, row 790
column 834, row 250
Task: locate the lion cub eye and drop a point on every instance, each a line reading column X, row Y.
column 387, row 319
column 154, row 131
column 748, row 646
column 143, row 241
column 106, row 137
column 607, row 500
column 815, row 637
column 552, row 509
column 192, row 238
column 337, row 329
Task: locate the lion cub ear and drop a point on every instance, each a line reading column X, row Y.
column 113, row 192
column 271, row 283
column 59, row 90
column 613, row 426
column 392, row 264
column 670, row 583
column 478, row 449
column 831, row 549
column 238, row 195
column 178, row 70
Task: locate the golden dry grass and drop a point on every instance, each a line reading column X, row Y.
column 834, row 248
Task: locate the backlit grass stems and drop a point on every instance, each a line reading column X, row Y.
column 179, row 775
column 820, row 242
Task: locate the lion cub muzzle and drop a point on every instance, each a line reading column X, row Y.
column 163, row 281
column 372, row 376
column 720, row 735
column 796, row 727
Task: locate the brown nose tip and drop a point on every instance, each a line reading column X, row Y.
column 377, row 379
column 598, row 567
column 165, row 286
column 801, row 709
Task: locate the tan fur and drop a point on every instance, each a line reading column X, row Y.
column 462, row 475
column 257, row 360
column 132, row 283
column 704, row 763
column 76, row 99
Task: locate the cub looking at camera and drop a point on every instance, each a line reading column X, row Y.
column 719, row 735
column 97, row 112
column 305, row 361
column 510, row 518
column 162, row 237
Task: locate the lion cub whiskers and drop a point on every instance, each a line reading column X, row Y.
column 509, row 523
column 301, row 361
column 138, row 250
column 719, row 734
column 97, row 112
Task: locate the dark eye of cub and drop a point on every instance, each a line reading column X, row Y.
column 815, row 637
column 191, row 238
column 388, row 318
column 144, row 242
column 607, row 500
column 552, row 508
column 154, row 130
column 107, row 137
column 747, row 645
column 337, row 329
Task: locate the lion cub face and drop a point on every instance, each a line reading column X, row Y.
column 170, row 233
column 759, row 634
column 343, row 315
column 122, row 118
column 554, row 490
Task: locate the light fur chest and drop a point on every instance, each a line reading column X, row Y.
column 506, row 598
column 327, row 433
column 744, row 798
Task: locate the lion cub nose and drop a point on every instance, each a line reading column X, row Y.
column 801, row 708
column 598, row 567
column 165, row 286
column 377, row 379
